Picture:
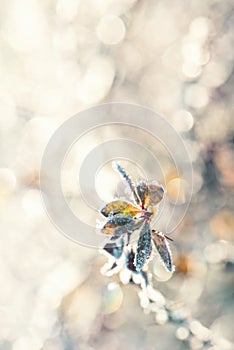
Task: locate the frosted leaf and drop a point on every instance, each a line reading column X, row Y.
column 150, row 193
column 116, row 248
column 117, row 167
column 120, row 224
column 144, row 247
column 163, row 249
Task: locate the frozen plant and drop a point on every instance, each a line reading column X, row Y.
column 123, row 218
column 129, row 258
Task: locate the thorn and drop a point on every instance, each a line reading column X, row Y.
column 169, row 238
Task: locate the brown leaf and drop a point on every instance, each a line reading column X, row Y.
column 163, row 249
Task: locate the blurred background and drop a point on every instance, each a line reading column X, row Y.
column 58, row 57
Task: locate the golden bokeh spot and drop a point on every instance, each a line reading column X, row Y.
column 178, row 190
column 222, row 225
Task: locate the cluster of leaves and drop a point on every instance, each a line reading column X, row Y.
column 123, row 218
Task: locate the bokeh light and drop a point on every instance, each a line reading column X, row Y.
column 59, row 57
column 110, row 30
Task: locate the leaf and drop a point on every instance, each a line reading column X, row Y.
column 163, row 249
column 116, row 248
column 117, row 224
column 156, row 193
column 142, row 190
column 118, row 207
column 144, row 247
column 116, row 166
column 150, row 193
column 120, row 224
